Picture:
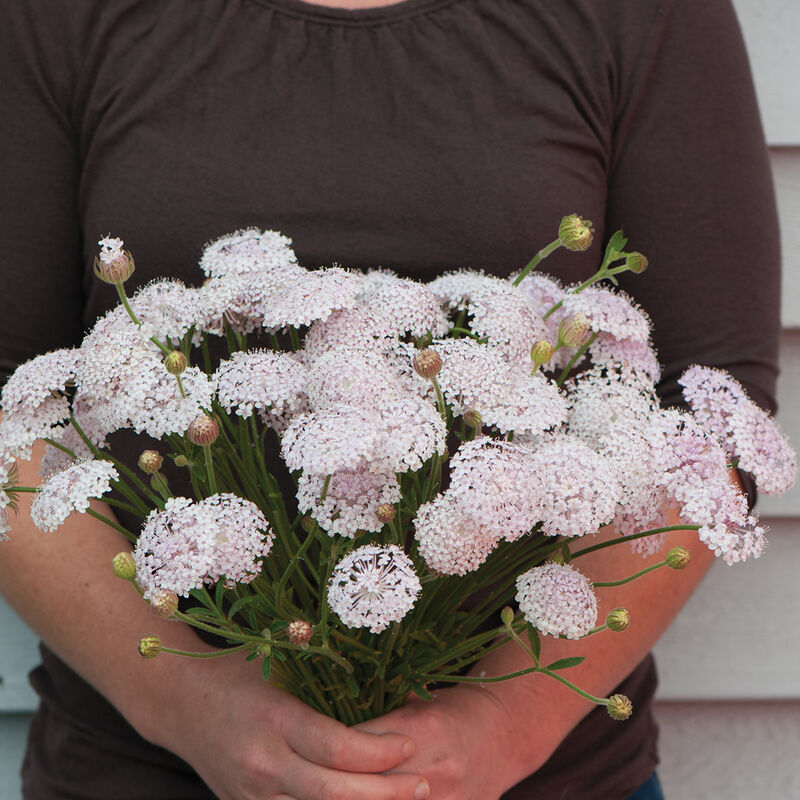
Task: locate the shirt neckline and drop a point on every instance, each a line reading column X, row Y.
column 358, row 16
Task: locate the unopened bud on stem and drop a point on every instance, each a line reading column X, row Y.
column 619, row 707
column 299, row 632
column 123, row 566
column 636, row 263
column 149, row 646
column 150, row 461
column 113, row 265
column 541, row 353
column 572, row 331
column 385, row 512
column 427, row 363
column 163, row 603
column 507, row 615
column 473, row 418
column 678, row 557
column 575, row 233
column 203, row 431
column 618, row 619
column 175, row 362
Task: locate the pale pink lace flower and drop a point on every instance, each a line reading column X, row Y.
column 409, row 307
column 110, row 249
column 189, row 544
column 351, row 329
column 247, row 251
column 70, row 490
column 33, row 402
column 631, row 353
column 312, row 296
column 762, row 449
column 352, row 378
column 271, row 383
column 351, row 502
column 494, row 483
column 324, row 442
column 609, row 312
column 477, row 377
column 166, row 309
column 713, row 394
column 449, row 539
column 577, row 488
column 557, row 599
column 373, row 587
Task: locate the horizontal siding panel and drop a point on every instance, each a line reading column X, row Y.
column 786, row 173
column 735, row 751
column 769, row 32
column 737, row 637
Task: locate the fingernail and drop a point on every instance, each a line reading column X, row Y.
column 423, row 790
column 408, row 750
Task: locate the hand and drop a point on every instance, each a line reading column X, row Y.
column 251, row 741
column 459, row 742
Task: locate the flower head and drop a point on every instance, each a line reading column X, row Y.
column 373, row 587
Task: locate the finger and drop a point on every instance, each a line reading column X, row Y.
column 331, row 744
column 310, row 781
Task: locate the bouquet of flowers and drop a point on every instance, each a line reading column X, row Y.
column 447, row 449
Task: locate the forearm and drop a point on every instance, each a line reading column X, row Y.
column 537, row 712
column 62, row 585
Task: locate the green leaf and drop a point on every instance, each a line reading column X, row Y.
column 535, row 641
column 615, row 246
column 238, row 605
column 353, row 686
column 566, row 663
column 266, row 668
column 219, row 593
column 420, row 690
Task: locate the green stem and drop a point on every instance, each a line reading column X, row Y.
column 212, row 654
column 632, row 537
column 212, row 483
column 623, row 581
column 534, row 262
column 574, row 360
column 110, row 522
column 123, row 297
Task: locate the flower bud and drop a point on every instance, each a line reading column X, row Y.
column 385, row 512
column 123, row 566
column 575, row 233
column 619, row 707
column 541, row 352
column 149, row 646
column 678, row 557
column 175, row 362
column 618, row 619
column 427, row 363
column 473, row 418
column 182, row 461
column 572, row 331
column 203, row 430
column 636, row 263
column 163, row 603
column 113, row 265
column 507, row 615
column 264, row 650
column 150, row 461
column 299, row 632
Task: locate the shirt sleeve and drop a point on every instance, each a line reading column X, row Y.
column 40, row 239
column 691, row 185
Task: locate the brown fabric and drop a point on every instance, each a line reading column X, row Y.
column 430, row 135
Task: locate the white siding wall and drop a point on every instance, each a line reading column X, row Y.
column 730, row 695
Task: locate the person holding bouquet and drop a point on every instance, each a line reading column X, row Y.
column 422, row 136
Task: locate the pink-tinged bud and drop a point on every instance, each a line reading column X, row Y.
column 163, row 603
column 150, row 461
column 541, row 352
column 123, row 566
column 427, row 363
column 149, row 646
column 507, row 615
column 473, row 418
column 203, row 431
column 619, row 707
column 385, row 512
column 636, row 263
column 575, row 233
column 113, row 264
column 175, row 362
column 299, row 632
column 678, row 557
column 572, row 331
column 618, row 619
